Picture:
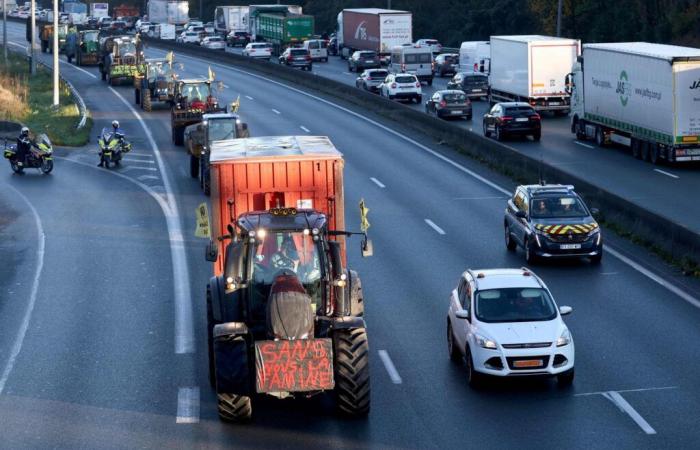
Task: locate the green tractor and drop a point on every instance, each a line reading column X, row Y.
column 155, row 82
column 88, row 51
column 121, row 59
column 193, row 99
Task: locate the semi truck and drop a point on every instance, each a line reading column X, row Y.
column 168, row 11
column 284, row 314
column 231, row 18
column 375, row 29
column 282, row 30
column 640, row 95
column 99, row 10
column 255, row 10
column 532, row 69
column 475, row 56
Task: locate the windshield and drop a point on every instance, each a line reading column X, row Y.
column 514, row 305
column 557, row 207
column 455, row 98
column 90, row 36
column 299, row 52
column 367, row 55
column 418, row 58
column 475, row 79
column 195, row 91
column 127, row 47
column 406, row 79
column 378, row 74
column 220, row 130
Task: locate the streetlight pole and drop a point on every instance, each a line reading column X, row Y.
column 4, row 28
column 31, row 52
column 55, row 54
column 559, row 18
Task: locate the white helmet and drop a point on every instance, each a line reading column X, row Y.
column 24, row 131
column 115, row 124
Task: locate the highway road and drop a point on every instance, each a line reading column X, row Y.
column 662, row 189
column 102, row 306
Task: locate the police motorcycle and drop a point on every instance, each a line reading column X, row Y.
column 112, row 146
column 39, row 157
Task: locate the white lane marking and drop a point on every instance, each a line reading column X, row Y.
column 626, row 408
column 347, row 73
column 148, row 177
column 663, row 388
column 153, row 169
column 226, row 86
column 275, row 111
column 609, row 273
column 184, row 324
column 60, row 61
column 668, row 174
column 249, row 97
column 132, row 153
column 432, row 225
column 481, row 198
column 187, row 405
column 24, row 326
column 146, row 161
column 657, row 279
column 304, row 128
column 389, row 366
column 377, row 182
column 443, row 158
column 583, row 144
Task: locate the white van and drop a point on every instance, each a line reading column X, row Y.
column 475, row 56
column 317, row 48
column 416, row 60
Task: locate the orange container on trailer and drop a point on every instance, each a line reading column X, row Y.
column 257, row 174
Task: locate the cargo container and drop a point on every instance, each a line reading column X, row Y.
column 532, row 69
column 74, row 7
column 254, row 10
column 170, row 12
column 231, row 18
column 640, row 95
column 375, row 29
column 475, row 56
column 98, row 10
column 282, row 31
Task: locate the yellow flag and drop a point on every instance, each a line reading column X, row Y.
column 202, row 230
column 169, row 57
column 235, row 105
column 211, row 74
column 364, row 223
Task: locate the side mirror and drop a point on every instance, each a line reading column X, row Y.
column 565, row 310
column 367, row 248
column 200, row 127
column 520, row 214
column 595, row 212
column 462, row 314
column 212, row 252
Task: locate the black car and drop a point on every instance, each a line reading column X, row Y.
column 446, row 64
column 514, row 118
column 449, row 103
column 551, row 221
column 474, row 84
column 363, row 59
column 236, row 38
column 296, row 57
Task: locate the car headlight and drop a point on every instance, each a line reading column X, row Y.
column 596, row 235
column 486, row 343
column 564, row 339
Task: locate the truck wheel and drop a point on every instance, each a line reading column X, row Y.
column 137, row 96
column 487, row 133
column 636, row 148
column 654, row 154
column 146, row 101
column 194, row 166
column 599, row 136
column 352, row 386
column 234, row 408
column 645, row 150
column 103, row 75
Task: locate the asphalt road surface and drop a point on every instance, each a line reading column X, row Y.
column 102, row 305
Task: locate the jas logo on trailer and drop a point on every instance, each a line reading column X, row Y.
column 695, row 85
column 623, row 88
column 361, row 31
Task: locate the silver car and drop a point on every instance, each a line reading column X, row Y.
column 370, row 79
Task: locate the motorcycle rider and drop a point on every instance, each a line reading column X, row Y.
column 24, row 146
column 117, row 133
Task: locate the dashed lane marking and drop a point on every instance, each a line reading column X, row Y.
column 275, row 111
column 668, row 174
column 139, row 168
column 619, row 401
column 377, row 182
column 432, row 225
column 583, row 144
column 304, row 128
column 187, row 405
column 148, row 177
column 389, row 366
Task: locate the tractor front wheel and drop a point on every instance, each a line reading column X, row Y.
column 146, row 101
column 352, row 386
column 234, row 408
column 194, row 166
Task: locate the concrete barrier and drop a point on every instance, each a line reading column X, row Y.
column 656, row 231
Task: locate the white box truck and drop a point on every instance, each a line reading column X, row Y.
column 168, row 11
column 375, row 29
column 231, row 18
column 532, row 69
column 475, row 56
column 640, row 95
column 99, row 10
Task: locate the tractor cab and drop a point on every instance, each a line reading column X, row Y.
column 195, row 94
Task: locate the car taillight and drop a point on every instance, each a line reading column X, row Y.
column 417, row 83
column 393, row 85
column 289, row 58
column 308, row 57
column 535, row 117
column 505, row 119
column 443, row 103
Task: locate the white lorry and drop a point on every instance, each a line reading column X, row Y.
column 475, row 56
column 640, row 95
column 168, row 11
column 231, row 18
column 99, row 10
column 532, row 69
column 379, row 30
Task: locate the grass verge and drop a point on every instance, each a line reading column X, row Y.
column 28, row 99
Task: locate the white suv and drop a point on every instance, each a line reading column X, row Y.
column 258, row 50
column 401, row 86
column 504, row 322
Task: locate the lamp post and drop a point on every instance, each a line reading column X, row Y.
column 559, row 18
column 4, row 28
column 55, row 54
column 31, row 51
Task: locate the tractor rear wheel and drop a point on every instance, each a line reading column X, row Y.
column 146, row 101
column 352, row 386
column 137, row 96
column 194, row 166
column 234, row 408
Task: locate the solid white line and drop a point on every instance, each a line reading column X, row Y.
column 132, row 153
column 432, row 225
column 187, row 405
column 24, row 326
column 412, row 141
column 249, row 97
column 139, row 168
column 275, row 111
column 377, row 182
column 668, row 174
column 663, row 388
column 148, row 177
column 304, row 128
column 583, row 145
column 146, row 161
column 625, row 407
column 389, row 366
column 184, row 324
column 347, row 73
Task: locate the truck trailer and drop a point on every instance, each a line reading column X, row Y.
column 255, row 10
column 284, row 314
column 640, row 95
column 475, row 56
column 283, row 31
column 168, row 11
column 231, row 18
column 379, row 30
column 532, row 69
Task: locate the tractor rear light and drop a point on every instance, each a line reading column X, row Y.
column 308, row 57
column 535, row 117
column 417, row 84
column 393, row 85
column 443, row 103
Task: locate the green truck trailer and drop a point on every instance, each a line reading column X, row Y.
column 283, row 31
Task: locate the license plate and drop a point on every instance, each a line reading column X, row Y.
column 370, row 61
column 477, row 90
column 555, row 103
column 527, row 363
column 521, row 119
column 455, row 112
column 294, row 366
column 570, row 246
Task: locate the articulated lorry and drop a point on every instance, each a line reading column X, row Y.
column 640, row 95
column 284, row 314
column 379, row 30
column 283, row 30
column 231, row 18
column 532, row 69
column 255, row 10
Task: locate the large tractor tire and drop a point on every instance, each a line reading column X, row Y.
column 352, row 387
column 137, row 96
column 234, row 408
column 103, row 75
column 146, row 103
column 194, row 166
column 178, row 135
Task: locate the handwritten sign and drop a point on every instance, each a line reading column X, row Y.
column 294, row 366
column 202, row 229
